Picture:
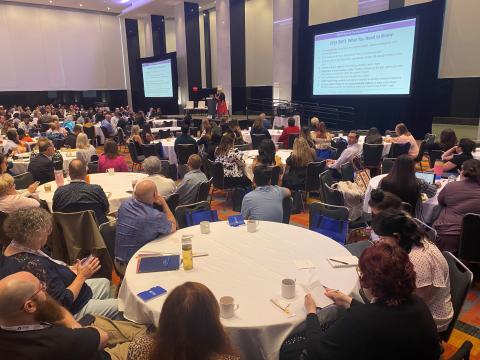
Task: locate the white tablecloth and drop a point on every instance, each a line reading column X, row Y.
column 21, row 165
column 283, row 121
column 99, row 132
column 275, row 134
column 171, row 128
column 430, row 208
column 115, row 187
column 249, row 267
column 159, row 122
column 249, row 155
column 168, row 146
column 476, row 154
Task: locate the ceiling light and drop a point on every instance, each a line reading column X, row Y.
column 108, row 8
column 50, row 1
column 81, row 5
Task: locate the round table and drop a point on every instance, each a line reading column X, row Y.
column 20, row 165
column 275, row 134
column 171, row 128
column 249, row 267
column 250, row 155
column 168, row 146
column 160, row 122
column 117, row 187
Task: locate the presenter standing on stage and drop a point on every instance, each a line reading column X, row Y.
column 221, row 104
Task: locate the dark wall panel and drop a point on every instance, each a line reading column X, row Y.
column 237, row 53
column 133, row 51
column 208, row 49
column 192, row 37
column 158, row 35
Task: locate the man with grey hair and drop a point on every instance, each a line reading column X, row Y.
column 188, row 188
column 140, row 222
column 153, row 167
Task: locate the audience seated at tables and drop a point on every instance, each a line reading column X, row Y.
column 12, row 144
column 25, row 124
column 139, row 222
column 68, row 123
column 259, row 129
column 401, row 181
column 56, row 132
column 448, row 139
column 70, row 286
column 307, row 135
column 24, row 138
column 373, row 136
column 153, row 167
column 234, row 127
column 107, row 125
column 136, row 138
column 41, row 166
column 457, row 199
column 78, row 195
column 296, row 170
column 404, row 136
column 206, row 135
column 353, row 149
column 320, row 134
column 110, row 159
column 71, row 139
column 85, row 150
column 188, row 188
column 396, row 324
column 10, row 200
column 455, row 156
column 431, row 268
column 189, row 328
column 185, row 139
column 232, row 161
column 265, row 202
column 88, row 122
column 289, row 130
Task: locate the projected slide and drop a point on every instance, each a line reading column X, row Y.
column 373, row 60
column 157, row 79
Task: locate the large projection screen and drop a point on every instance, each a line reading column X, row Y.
column 157, row 79
column 372, row 60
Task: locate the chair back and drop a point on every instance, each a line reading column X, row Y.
column 92, row 167
column 182, row 210
column 167, row 123
column 431, row 232
column 133, row 152
column 183, row 152
column 256, row 140
column 469, row 247
column 461, row 279
column 216, row 171
column 190, row 105
column 347, row 171
column 4, row 239
column 434, row 155
column 291, row 140
column 193, row 131
column 339, row 144
column 312, row 179
column 90, row 132
column 163, row 134
column 331, row 221
column 148, row 150
column 108, row 231
column 326, row 178
column 287, row 204
column 203, row 190
column 357, row 248
column 387, row 164
column 201, row 105
column 333, row 196
column 172, row 202
column 105, row 131
column 372, row 155
column 398, row 149
column 391, row 133
column 362, row 132
column 58, row 143
column 276, row 170
column 120, row 136
column 23, row 181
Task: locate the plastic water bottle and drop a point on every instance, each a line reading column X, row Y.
column 187, row 253
column 59, row 177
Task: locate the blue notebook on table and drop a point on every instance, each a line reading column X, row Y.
column 236, row 220
column 148, row 264
column 151, row 293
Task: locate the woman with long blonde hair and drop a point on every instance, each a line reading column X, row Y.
column 321, row 136
column 85, row 150
column 297, row 162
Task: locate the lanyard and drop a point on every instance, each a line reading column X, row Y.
column 22, row 328
column 22, row 248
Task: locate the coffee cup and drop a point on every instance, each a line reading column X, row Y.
column 110, row 171
column 227, row 307
column 288, row 288
column 252, row 225
column 205, row 227
column 134, row 183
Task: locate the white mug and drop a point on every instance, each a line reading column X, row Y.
column 110, row 171
column 288, row 288
column 205, row 227
column 252, row 225
column 227, row 307
column 134, row 183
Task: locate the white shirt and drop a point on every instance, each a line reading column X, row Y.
column 165, row 186
column 347, row 155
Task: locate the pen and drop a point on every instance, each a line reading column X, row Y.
column 338, row 261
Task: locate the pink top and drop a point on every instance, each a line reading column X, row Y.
column 402, row 139
column 118, row 163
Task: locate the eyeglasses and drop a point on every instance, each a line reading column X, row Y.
column 41, row 287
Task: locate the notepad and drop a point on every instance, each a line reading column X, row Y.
column 317, row 290
column 236, row 220
column 148, row 264
column 343, row 261
column 151, row 293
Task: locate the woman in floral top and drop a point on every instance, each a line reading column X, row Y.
column 232, row 161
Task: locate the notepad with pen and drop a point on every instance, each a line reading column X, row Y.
column 236, row 220
column 148, row 264
column 151, row 293
column 343, row 261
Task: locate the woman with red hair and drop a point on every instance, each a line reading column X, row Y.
column 394, row 325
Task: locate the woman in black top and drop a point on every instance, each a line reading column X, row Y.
column 455, row 157
column 448, row 139
column 395, row 325
column 258, row 129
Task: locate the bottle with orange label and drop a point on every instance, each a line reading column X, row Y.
column 87, row 179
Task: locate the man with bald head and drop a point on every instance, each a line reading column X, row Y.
column 80, row 196
column 34, row 326
column 140, row 221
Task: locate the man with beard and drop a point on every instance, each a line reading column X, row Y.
column 34, row 326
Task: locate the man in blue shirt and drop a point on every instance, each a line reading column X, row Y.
column 139, row 222
column 266, row 201
column 107, row 125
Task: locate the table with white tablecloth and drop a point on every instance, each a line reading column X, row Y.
column 172, row 129
column 168, row 146
column 275, row 134
column 283, row 120
column 160, row 122
column 430, row 207
column 250, row 155
column 20, row 165
column 249, row 267
column 99, row 133
column 476, row 154
column 117, row 187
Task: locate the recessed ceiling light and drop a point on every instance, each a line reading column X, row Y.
column 81, row 5
column 199, row 7
column 108, row 8
column 50, row 1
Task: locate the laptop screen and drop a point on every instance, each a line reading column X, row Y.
column 428, row 177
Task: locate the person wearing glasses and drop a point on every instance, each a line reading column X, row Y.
column 394, row 325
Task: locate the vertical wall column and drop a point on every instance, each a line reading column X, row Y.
column 133, row 50
column 158, row 35
column 282, row 49
column 126, row 61
column 207, row 49
column 145, row 36
column 223, row 63
column 181, row 45
column 237, row 55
